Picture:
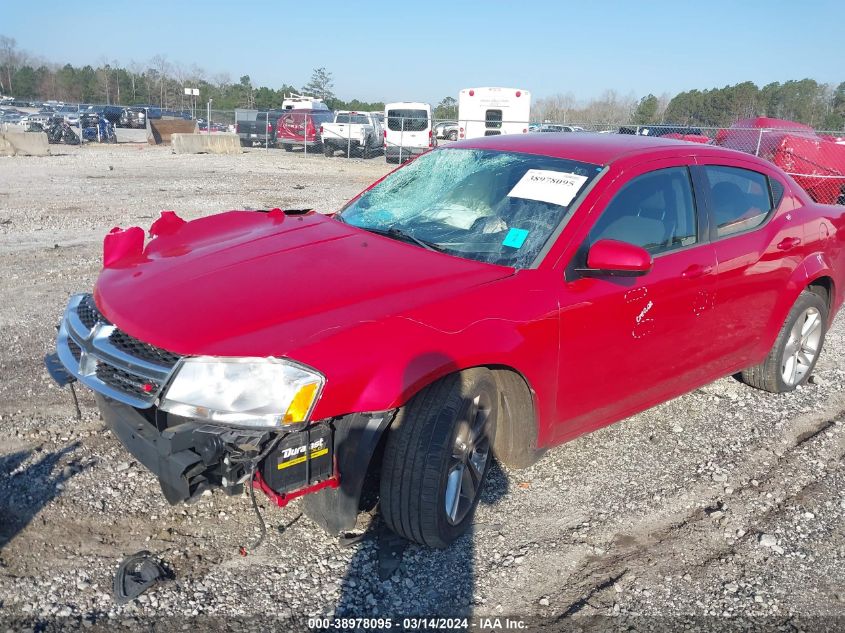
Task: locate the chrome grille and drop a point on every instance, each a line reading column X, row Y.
column 88, row 312
column 108, row 360
column 133, row 346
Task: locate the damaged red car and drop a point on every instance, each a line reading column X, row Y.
column 495, row 297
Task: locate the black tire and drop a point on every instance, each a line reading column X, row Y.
column 246, row 143
column 328, row 150
column 453, row 135
column 769, row 375
column 288, row 147
column 365, row 151
column 423, row 448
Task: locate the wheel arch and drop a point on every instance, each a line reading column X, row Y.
column 518, row 427
column 812, row 274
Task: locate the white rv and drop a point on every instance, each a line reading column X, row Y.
column 407, row 131
column 493, row 111
column 300, row 102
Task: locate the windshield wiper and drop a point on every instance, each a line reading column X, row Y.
column 402, row 235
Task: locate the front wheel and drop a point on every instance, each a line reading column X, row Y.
column 796, row 350
column 437, row 458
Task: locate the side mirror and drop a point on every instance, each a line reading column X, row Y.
column 616, row 259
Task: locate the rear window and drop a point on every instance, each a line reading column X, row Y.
column 493, row 119
column 407, row 120
column 740, row 198
column 352, row 118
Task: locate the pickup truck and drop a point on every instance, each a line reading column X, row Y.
column 253, row 127
column 498, row 296
column 353, row 132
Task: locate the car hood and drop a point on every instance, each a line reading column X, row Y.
column 244, row 283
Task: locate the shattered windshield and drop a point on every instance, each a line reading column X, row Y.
column 490, row 206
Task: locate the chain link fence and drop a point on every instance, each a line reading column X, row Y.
column 815, row 159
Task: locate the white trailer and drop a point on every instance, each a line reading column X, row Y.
column 493, row 111
column 301, row 102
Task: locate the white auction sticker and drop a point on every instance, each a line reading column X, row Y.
column 556, row 187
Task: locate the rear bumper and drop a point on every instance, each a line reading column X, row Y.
column 292, row 142
column 394, row 150
column 341, row 143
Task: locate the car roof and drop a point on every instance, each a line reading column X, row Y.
column 598, row 149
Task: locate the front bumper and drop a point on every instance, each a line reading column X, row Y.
column 190, row 456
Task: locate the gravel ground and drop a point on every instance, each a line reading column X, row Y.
column 724, row 502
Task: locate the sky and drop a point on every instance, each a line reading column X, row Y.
column 426, row 50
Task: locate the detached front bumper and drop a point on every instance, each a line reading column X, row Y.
column 191, row 457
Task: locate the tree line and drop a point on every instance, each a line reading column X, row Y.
column 157, row 81
column 161, row 82
column 804, row 101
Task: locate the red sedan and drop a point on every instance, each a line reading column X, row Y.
column 495, row 297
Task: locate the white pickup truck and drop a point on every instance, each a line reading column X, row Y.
column 352, row 132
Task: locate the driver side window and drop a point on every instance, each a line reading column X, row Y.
column 655, row 211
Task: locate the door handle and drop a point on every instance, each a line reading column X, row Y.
column 696, row 270
column 788, row 243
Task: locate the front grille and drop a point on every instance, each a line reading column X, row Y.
column 74, row 349
column 125, row 381
column 88, row 312
column 145, row 351
column 110, row 361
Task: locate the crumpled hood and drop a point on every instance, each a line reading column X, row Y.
column 255, row 284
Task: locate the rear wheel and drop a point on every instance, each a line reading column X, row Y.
column 288, row 147
column 328, row 150
column 793, row 356
column 437, row 457
column 453, row 135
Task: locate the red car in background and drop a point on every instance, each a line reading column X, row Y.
column 495, row 297
column 301, row 128
column 817, row 162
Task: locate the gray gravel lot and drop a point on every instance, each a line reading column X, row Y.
column 724, row 502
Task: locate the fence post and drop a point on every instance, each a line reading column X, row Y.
column 305, row 134
column 401, row 137
column 348, row 136
column 759, row 141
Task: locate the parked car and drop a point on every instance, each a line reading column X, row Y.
column 498, row 296
column 12, row 118
column 133, row 117
column 408, row 132
column 446, row 129
column 677, row 132
column 38, row 118
column 353, row 132
column 253, row 126
column 301, row 128
column 554, row 127
column 818, row 160
column 69, row 113
column 151, row 111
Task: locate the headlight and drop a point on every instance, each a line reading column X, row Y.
column 256, row 392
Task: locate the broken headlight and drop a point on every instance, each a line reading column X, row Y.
column 252, row 392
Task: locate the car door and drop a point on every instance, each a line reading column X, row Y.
column 757, row 249
column 630, row 342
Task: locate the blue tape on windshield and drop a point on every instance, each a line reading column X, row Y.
column 515, row 238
